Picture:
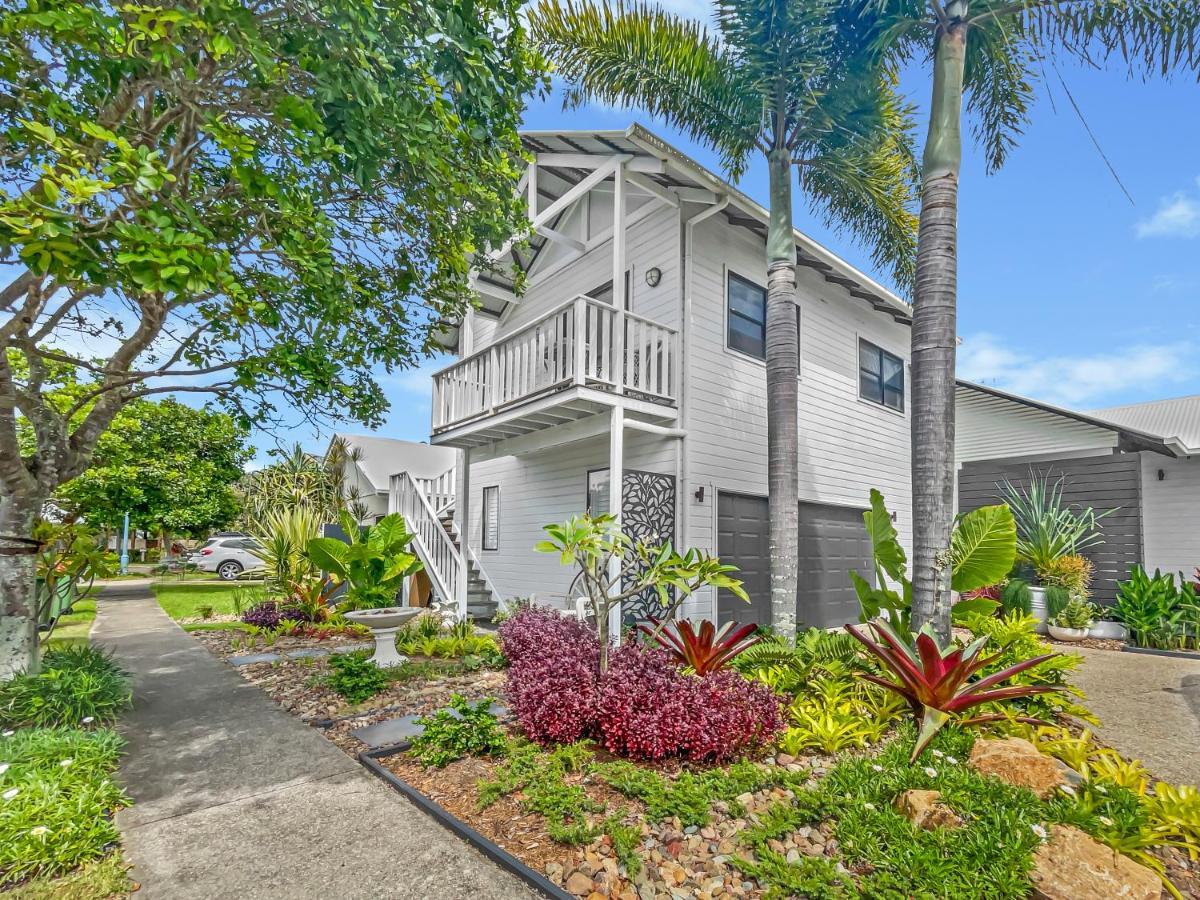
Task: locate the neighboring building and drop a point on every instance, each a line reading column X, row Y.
column 652, row 403
column 373, row 460
column 1142, row 461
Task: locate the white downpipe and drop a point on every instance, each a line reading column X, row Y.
column 685, row 486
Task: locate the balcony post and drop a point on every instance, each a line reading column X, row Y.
column 616, row 478
column 579, row 337
column 493, row 377
column 619, row 299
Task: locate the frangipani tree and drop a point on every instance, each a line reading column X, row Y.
column 592, row 542
column 795, row 81
column 988, row 54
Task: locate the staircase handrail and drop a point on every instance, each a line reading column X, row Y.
column 432, row 543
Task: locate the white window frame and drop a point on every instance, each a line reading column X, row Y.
column 483, row 529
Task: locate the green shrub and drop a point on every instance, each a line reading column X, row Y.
column 474, row 731
column 1017, row 596
column 76, row 683
column 355, row 677
column 57, row 798
column 1057, row 598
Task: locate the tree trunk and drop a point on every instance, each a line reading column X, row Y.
column 18, row 595
column 782, row 375
column 933, row 338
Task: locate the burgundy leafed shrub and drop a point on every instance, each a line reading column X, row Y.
column 552, row 672
column 268, row 615
column 648, row 709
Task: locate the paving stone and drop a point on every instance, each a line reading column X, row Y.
column 249, row 659
column 306, row 653
column 391, row 731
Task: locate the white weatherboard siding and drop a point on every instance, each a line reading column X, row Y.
column 847, row 445
column 989, row 427
column 541, row 489
column 1169, row 517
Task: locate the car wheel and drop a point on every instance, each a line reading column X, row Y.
column 229, row 570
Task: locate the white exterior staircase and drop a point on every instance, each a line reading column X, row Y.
column 460, row 585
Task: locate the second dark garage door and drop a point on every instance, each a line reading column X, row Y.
column 833, row 540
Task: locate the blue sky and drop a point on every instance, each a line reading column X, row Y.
column 1068, row 292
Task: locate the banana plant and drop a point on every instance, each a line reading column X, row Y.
column 982, row 551
column 372, row 563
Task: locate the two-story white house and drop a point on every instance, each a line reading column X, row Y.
column 629, row 377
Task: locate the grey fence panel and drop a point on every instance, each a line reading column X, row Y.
column 1101, row 482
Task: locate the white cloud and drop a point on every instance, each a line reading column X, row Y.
column 1082, row 380
column 1177, row 216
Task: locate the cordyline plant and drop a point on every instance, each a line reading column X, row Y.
column 613, row 568
column 936, row 681
column 708, row 650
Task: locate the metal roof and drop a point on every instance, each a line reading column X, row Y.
column 1132, row 438
column 1176, row 420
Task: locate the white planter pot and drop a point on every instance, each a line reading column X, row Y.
column 1037, row 606
column 1067, row 634
column 1108, row 631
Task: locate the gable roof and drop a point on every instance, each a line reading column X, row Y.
column 383, row 457
column 1176, row 420
column 682, row 175
column 1131, row 438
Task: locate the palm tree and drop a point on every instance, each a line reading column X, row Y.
column 992, row 52
column 796, row 81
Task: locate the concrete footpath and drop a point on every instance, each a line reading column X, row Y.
column 235, row 798
column 1149, row 708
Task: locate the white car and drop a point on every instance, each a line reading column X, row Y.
column 229, row 557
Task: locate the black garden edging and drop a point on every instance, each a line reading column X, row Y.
column 494, row 852
column 1150, row 651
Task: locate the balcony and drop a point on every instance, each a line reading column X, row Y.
column 570, row 363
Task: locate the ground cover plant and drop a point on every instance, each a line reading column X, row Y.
column 76, row 684
column 461, row 729
column 429, row 635
column 58, row 795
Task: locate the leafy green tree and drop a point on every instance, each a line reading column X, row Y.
column 172, row 467
column 990, row 53
column 795, row 80
column 260, row 201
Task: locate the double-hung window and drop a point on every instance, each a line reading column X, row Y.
column 880, row 376
column 746, row 317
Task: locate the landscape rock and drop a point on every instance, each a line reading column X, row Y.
column 1019, row 763
column 579, row 883
column 925, row 810
column 1073, row 866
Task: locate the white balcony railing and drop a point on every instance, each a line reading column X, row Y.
column 572, row 344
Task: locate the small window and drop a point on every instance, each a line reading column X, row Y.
column 491, row 518
column 880, row 376
column 597, row 492
column 746, row 317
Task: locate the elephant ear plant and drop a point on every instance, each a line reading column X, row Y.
column 982, row 549
column 936, row 681
column 372, row 563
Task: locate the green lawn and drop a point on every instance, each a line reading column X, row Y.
column 108, row 877
column 72, row 629
column 183, row 599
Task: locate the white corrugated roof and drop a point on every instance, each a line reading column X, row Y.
column 1175, row 420
column 383, row 457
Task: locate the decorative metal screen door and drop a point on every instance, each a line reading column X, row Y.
column 647, row 514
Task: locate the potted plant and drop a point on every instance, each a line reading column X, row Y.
column 1073, row 621
column 1051, row 538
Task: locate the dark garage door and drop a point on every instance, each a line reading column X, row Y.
column 832, row 541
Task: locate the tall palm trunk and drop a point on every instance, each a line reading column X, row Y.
column 933, row 336
column 782, row 373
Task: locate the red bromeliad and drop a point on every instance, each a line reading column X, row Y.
column 708, row 650
column 935, row 681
